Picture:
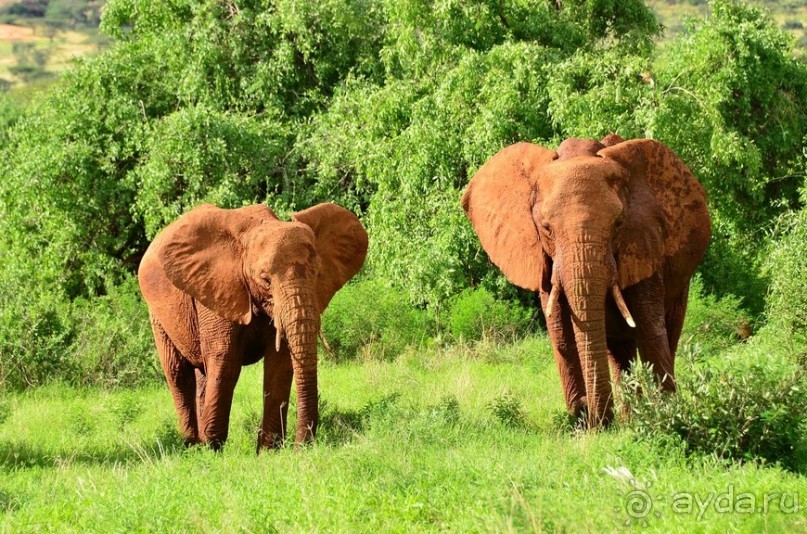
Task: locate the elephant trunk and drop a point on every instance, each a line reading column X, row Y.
column 300, row 322
column 586, row 289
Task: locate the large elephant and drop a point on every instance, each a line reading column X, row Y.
column 609, row 233
column 226, row 288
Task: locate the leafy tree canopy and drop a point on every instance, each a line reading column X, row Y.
column 387, row 107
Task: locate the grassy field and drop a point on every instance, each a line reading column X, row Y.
column 466, row 439
column 44, row 54
column 460, row 437
column 790, row 15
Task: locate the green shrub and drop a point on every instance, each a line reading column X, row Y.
column 104, row 341
column 715, row 114
column 742, row 412
column 787, row 267
column 371, row 316
column 447, row 411
column 36, row 331
column 125, row 408
column 508, row 410
column 342, row 425
column 10, row 112
column 113, row 345
column 733, row 265
column 712, row 324
column 476, row 314
column 36, row 323
column 429, row 423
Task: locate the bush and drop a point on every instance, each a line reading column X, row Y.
column 712, row 324
column 371, row 316
column 10, row 112
column 476, row 314
column 508, row 410
column 36, row 331
column 752, row 412
column 36, row 323
column 104, row 341
column 787, row 267
column 113, row 345
column 403, row 150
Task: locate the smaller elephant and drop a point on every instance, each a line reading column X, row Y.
column 609, row 234
column 227, row 287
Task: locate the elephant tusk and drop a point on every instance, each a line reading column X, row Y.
column 325, row 344
column 279, row 328
column 623, row 308
column 550, row 304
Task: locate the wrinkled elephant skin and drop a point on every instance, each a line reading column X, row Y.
column 226, row 288
column 609, row 234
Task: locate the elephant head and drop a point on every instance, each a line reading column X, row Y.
column 582, row 224
column 239, row 262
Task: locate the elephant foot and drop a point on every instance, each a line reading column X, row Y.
column 578, row 413
column 216, row 444
column 579, row 407
column 269, row 441
column 191, row 442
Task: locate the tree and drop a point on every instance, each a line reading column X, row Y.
column 387, row 107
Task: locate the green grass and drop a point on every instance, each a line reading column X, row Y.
column 422, row 443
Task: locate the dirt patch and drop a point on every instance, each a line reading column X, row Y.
column 10, row 32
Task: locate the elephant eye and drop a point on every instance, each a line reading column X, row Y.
column 265, row 281
column 619, row 223
column 547, row 228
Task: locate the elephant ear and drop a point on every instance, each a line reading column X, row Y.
column 659, row 187
column 201, row 253
column 611, row 139
column 341, row 242
column 499, row 202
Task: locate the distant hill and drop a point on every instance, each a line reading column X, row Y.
column 67, row 13
column 40, row 38
column 790, row 15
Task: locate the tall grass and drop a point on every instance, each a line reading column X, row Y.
column 465, row 437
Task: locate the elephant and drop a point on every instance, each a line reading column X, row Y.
column 227, row 287
column 609, row 233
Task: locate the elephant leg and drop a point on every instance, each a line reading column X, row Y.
column 277, row 377
column 221, row 347
column 567, row 359
column 675, row 320
column 181, row 382
column 621, row 354
column 222, row 375
column 646, row 302
column 201, row 384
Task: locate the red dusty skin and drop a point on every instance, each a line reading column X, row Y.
column 301, row 323
column 586, row 285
